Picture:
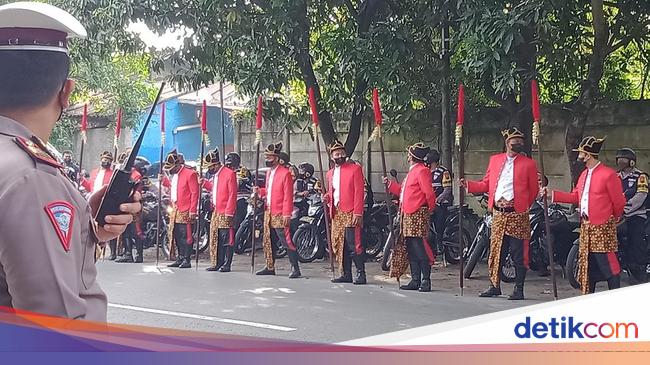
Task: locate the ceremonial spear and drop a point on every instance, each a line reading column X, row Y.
column 204, row 137
column 84, row 128
column 160, row 172
column 258, row 140
column 460, row 121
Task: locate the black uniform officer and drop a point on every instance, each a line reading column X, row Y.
column 635, row 188
column 441, row 178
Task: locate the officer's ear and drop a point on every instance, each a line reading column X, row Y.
column 66, row 92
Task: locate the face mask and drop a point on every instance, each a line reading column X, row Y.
column 339, row 161
column 269, row 163
column 106, row 165
column 517, row 148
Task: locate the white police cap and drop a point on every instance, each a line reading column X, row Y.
column 37, row 26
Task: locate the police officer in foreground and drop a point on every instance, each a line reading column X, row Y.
column 48, row 235
column 635, row 188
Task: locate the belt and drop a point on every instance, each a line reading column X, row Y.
column 504, row 210
column 584, row 217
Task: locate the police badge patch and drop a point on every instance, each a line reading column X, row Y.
column 62, row 216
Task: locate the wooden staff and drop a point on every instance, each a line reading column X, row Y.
column 160, row 172
column 537, row 141
column 460, row 121
column 314, row 115
column 258, row 140
column 84, row 128
column 378, row 134
column 204, row 133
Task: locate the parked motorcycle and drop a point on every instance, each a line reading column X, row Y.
column 204, row 235
column 243, row 241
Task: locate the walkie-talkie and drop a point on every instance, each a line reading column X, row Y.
column 121, row 187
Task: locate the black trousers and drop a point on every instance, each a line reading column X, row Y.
column 352, row 242
column 225, row 239
column 182, row 237
column 518, row 249
column 439, row 218
column 281, row 237
column 419, row 250
column 637, row 250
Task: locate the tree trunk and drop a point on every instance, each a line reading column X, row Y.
column 590, row 90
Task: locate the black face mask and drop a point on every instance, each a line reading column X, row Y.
column 339, row 161
column 269, row 163
column 517, row 148
column 106, row 165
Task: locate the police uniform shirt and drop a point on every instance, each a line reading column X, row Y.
column 47, row 236
column 442, row 185
column 635, row 188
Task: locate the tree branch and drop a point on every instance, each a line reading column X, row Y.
column 351, row 8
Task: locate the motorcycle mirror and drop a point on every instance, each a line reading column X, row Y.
column 393, row 173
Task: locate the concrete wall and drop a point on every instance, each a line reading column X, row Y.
column 626, row 124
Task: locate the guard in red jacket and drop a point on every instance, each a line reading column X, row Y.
column 600, row 196
column 417, row 202
column 98, row 178
column 278, row 195
column 184, row 191
column 511, row 182
column 223, row 186
column 345, row 199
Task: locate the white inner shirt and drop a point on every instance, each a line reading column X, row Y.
column 336, row 182
column 584, row 201
column 99, row 180
column 505, row 188
column 214, row 186
column 174, row 189
column 269, row 187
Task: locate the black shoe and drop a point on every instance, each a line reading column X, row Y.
column 614, row 282
column 345, row 278
column 224, row 268
column 176, row 263
column 517, row 294
column 126, row 258
column 265, row 271
column 295, row 273
column 491, row 292
column 138, row 259
column 212, row 268
column 425, row 286
column 112, row 257
column 361, row 278
column 185, row 265
column 412, row 285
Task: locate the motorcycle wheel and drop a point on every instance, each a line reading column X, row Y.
column 388, row 253
column 571, row 269
column 243, row 237
column 452, row 247
column 475, row 256
column 508, row 269
column 280, row 253
column 308, row 243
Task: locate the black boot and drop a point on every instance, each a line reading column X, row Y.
column 614, row 282
column 127, row 256
column 492, row 291
column 187, row 257
column 139, row 249
column 179, row 257
column 520, row 278
column 295, row 269
column 265, row 271
column 346, row 276
column 414, row 284
column 425, row 269
column 360, row 264
column 221, row 256
column 112, row 244
column 592, row 286
column 229, row 252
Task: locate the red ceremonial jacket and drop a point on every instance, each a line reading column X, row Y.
column 282, row 193
column 187, row 190
column 90, row 183
column 352, row 189
column 224, row 200
column 525, row 185
column 606, row 198
column 418, row 190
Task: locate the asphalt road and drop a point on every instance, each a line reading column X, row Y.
column 308, row 309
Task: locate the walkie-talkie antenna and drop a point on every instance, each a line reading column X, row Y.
column 136, row 147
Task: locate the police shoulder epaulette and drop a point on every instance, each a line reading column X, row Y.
column 36, row 151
